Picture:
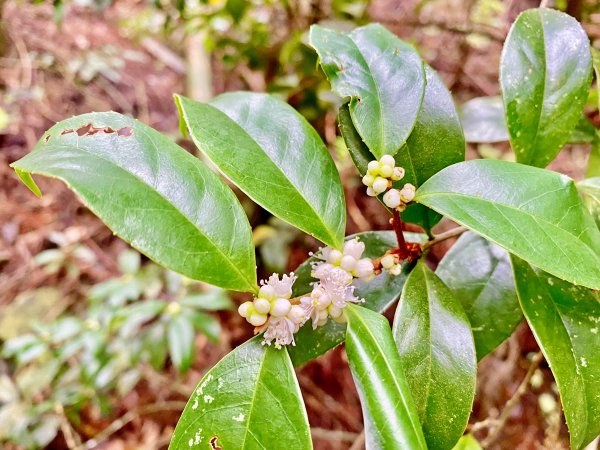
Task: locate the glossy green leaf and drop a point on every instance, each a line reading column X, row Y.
column 483, row 120
column 533, row 213
column 565, row 321
column 436, row 142
column 152, row 193
column 383, row 76
column 249, row 400
column 479, row 274
column 545, row 74
column 389, row 412
column 590, row 190
column 379, row 294
column 181, row 339
column 435, row 343
column 272, row 154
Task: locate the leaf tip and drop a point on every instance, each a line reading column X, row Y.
column 27, row 180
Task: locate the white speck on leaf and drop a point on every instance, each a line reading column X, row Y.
column 195, row 404
column 208, row 399
column 239, row 418
column 583, row 362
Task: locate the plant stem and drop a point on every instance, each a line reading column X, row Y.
column 443, row 236
column 397, row 225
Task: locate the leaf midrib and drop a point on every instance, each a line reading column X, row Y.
column 510, row 207
column 278, row 169
column 358, row 317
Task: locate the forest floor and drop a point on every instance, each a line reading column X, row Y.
column 38, row 91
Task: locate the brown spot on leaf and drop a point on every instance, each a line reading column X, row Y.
column 66, row 132
column 125, row 131
column 213, row 443
column 47, row 138
column 84, row 130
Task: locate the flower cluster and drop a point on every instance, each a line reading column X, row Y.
column 379, row 178
column 281, row 317
column 272, row 307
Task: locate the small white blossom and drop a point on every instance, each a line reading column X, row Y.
column 280, row 288
column 281, row 330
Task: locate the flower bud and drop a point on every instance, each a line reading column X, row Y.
column 388, row 160
column 354, row 248
column 334, row 311
column 371, row 192
column 280, row 307
column 368, row 180
column 380, row 185
column 364, row 268
column 266, row 291
column 397, row 173
column 348, row 263
column 395, row 270
column 296, row 314
column 407, row 193
column 386, row 171
column 388, row 261
column 392, row 198
column 334, row 256
column 373, row 168
column 246, row 309
column 262, row 305
column 257, row 319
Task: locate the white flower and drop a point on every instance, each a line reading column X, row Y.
column 337, row 284
column 314, row 305
column 278, row 288
column 281, row 330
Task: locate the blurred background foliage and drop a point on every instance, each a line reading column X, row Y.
column 100, row 347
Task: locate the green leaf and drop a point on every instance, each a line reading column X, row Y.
column 533, row 213
column 379, row 294
column 565, row 321
column 280, row 161
column 437, row 352
column 593, row 167
column 435, row 142
column 596, row 65
column 483, row 120
column 479, row 274
column 545, row 74
column 590, row 190
column 181, row 338
column 153, row 194
column 467, row 442
column 249, row 400
column 383, row 77
column 389, row 412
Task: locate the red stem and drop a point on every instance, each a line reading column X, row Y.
column 397, row 225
